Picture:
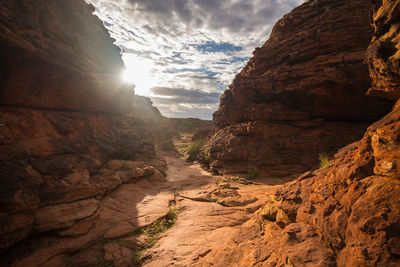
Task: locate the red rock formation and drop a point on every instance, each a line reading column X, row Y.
column 344, row 215
column 383, row 55
column 347, row 214
column 58, row 158
column 304, row 88
column 56, row 56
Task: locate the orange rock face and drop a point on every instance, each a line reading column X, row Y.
column 348, row 213
column 383, row 54
column 343, row 215
column 304, row 88
column 64, row 142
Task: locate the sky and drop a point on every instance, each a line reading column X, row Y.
column 184, row 53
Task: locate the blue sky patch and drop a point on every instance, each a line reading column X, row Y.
column 214, row 47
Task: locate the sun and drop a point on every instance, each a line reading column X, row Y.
column 139, row 72
column 127, row 76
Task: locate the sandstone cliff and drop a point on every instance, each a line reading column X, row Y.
column 64, row 143
column 55, row 56
column 304, row 88
column 346, row 214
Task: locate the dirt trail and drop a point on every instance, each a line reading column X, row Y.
column 211, row 210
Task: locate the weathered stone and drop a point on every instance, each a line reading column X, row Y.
column 63, row 215
column 14, row 228
column 80, row 67
column 383, row 54
column 301, row 90
column 121, row 256
column 120, row 229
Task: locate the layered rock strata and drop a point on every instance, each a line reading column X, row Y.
column 55, row 55
column 64, row 141
column 346, row 214
column 301, row 90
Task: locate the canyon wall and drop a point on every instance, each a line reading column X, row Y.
column 348, row 213
column 301, row 94
column 65, row 140
column 55, row 56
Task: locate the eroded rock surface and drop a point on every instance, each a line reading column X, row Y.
column 383, row 52
column 302, row 89
column 346, row 214
column 211, row 212
column 65, row 144
column 56, row 55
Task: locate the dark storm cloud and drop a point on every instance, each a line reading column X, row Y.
column 181, row 95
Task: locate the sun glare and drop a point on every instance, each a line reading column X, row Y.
column 138, row 72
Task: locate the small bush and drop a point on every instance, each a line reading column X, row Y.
column 168, row 146
column 188, row 125
column 195, row 148
column 323, row 160
column 253, row 173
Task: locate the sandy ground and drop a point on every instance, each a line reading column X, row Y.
column 211, row 210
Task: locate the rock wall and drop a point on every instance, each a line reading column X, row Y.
column 300, row 91
column 383, row 54
column 346, row 214
column 55, row 56
column 64, row 142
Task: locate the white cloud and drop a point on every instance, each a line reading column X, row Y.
column 170, row 35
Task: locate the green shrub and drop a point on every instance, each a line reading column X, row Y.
column 323, row 160
column 253, row 173
column 188, row 125
column 195, row 148
column 168, row 146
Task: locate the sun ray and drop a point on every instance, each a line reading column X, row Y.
column 139, row 72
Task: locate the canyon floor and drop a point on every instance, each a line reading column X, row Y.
column 210, row 212
column 183, row 217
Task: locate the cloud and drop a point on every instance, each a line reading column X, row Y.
column 201, row 111
column 195, row 47
column 183, row 96
column 184, row 103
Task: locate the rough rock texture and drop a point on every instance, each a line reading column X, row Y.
column 117, row 216
column 347, row 214
column 58, row 158
column 301, row 90
column 55, row 55
column 383, row 52
column 344, row 215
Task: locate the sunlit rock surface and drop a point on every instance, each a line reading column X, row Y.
column 348, row 213
column 65, row 144
column 302, row 93
column 383, row 54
